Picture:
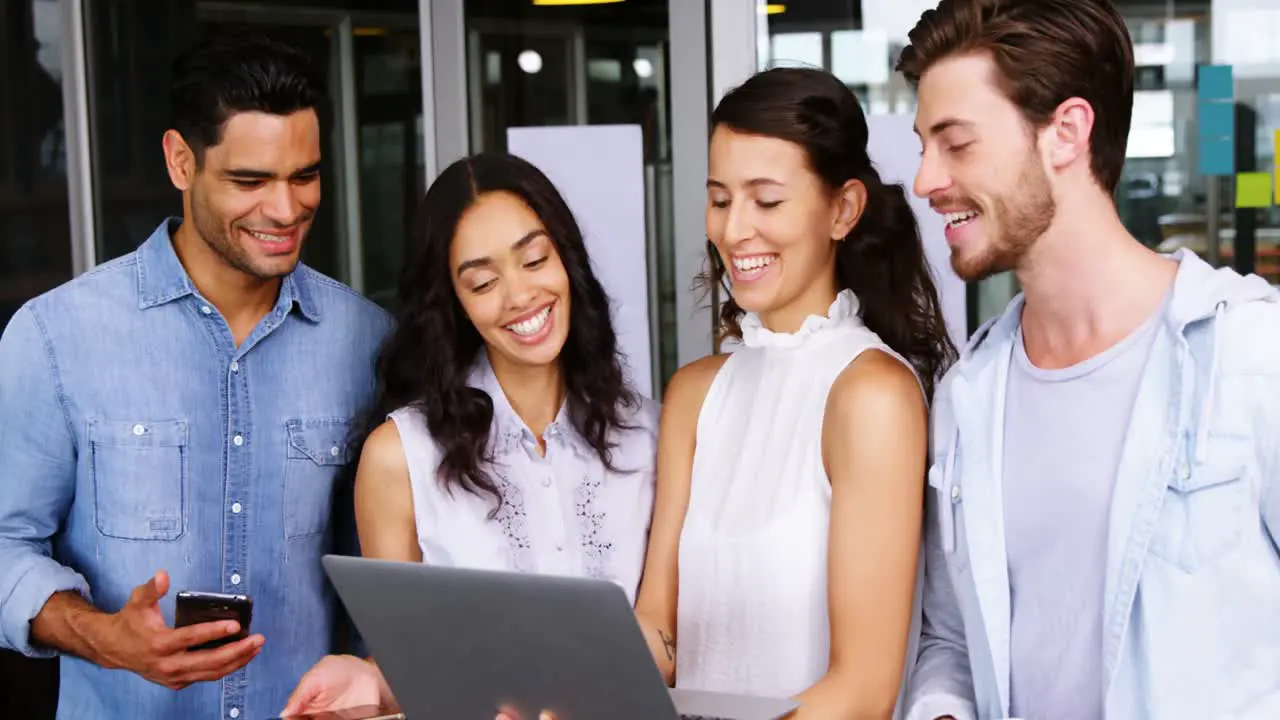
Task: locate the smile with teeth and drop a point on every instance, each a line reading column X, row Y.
column 531, row 325
column 956, row 219
column 264, row 237
column 753, row 263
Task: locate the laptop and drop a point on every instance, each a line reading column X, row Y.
column 463, row 643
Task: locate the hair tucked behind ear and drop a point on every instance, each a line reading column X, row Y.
column 882, row 260
column 427, row 361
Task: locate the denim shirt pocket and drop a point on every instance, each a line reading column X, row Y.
column 139, row 471
column 316, row 452
column 1205, row 506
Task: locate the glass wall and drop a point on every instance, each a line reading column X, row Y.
column 534, row 65
column 1163, row 198
column 35, row 231
column 35, row 226
column 371, row 131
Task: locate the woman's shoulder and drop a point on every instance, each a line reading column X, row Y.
column 383, row 455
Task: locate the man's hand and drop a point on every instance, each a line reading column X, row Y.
column 137, row 639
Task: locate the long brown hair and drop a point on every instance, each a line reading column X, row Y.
column 882, row 260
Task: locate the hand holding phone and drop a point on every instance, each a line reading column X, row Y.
column 194, row 608
column 137, row 639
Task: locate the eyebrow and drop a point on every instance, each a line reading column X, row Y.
column 486, row 261
column 250, row 174
column 753, row 182
column 944, row 125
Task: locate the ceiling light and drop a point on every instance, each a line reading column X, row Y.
column 529, row 61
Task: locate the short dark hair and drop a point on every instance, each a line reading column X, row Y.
column 237, row 72
column 1046, row 51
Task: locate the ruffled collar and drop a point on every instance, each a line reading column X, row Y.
column 843, row 312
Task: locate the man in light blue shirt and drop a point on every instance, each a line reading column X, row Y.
column 175, row 419
column 1105, row 475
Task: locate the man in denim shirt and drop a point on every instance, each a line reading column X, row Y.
column 174, row 419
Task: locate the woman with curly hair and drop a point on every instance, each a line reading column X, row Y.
column 505, row 435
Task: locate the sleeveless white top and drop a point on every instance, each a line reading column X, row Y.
column 561, row 514
column 752, row 610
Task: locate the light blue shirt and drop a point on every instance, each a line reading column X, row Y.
column 135, row 436
column 1191, row 602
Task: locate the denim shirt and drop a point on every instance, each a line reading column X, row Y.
column 135, row 436
column 1191, row 616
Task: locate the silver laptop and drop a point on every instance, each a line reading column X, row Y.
column 459, row 643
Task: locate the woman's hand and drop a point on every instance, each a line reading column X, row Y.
column 510, row 714
column 338, row 682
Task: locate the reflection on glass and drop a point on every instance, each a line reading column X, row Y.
column 131, row 49
column 524, row 81
column 388, row 111
column 595, row 64
column 35, row 232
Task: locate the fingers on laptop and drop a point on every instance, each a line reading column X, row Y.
column 513, row 715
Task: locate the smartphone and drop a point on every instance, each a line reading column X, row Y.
column 367, row 712
column 194, row 608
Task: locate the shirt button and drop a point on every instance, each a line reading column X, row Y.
column 235, row 508
column 206, row 309
column 334, row 451
column 235, row 366
column 955, row 493
column 546, row 482
column 1184, row 471
column 235, row 578
column 234, row 713
column 238, row 440
column 139, row 429
column 559, row 548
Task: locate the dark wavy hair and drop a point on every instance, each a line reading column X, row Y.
column 882, row 260
column 426, row 361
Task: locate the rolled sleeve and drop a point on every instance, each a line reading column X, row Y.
column 37, row 480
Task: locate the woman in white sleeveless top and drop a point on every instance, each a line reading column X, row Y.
column 783, row 559
column 505, row 435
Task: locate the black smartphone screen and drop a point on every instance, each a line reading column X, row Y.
column 194, row 608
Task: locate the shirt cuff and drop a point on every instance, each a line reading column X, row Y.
column 937, row 705
column 33, row 587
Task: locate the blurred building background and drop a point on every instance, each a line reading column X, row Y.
column 419, row 83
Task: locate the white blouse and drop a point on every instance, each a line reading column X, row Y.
column 752, row 614
column 561, row 514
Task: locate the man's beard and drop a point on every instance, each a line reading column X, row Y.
column 1015, row 222
column 214, row 232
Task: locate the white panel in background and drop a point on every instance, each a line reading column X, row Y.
column 599, row 169
column 1242, row 34
column 895, row 151
column 860, row 57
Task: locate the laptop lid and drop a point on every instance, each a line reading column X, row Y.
column 462, row 643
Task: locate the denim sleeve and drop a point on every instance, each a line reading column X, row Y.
column 37, row 480
column 941, row 684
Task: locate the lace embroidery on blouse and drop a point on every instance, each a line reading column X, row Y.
column 596, row 548
column 511, row 515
